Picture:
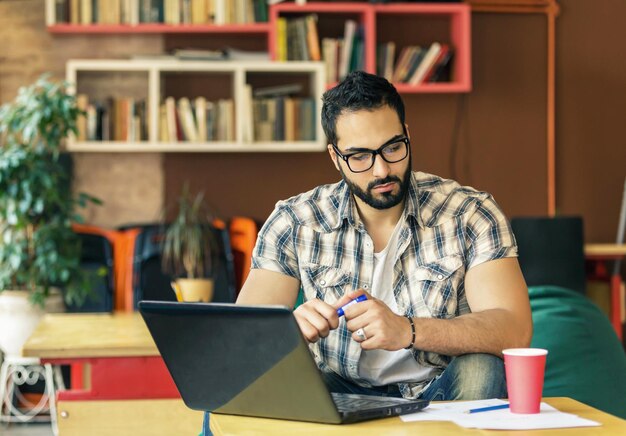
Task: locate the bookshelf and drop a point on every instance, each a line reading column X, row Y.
column 154, row 80
column 406, row 23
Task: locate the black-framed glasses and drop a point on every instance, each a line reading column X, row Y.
column 392, row 151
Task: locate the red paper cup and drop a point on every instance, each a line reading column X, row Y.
column 525, row 368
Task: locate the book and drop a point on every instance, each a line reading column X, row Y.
column 75, row 17
column 441, row 71
column 417, row 56
column 390, row 53
column 402, row 65
column 260, row 11
column 348, row 39
column 92, row 123
column 279, row 121
column 235, row 54
column 279, row 90
column 357, row 53
column 307, row 119
column 200, row 108
column 329, row 53
column 187, row 121
column 82, row 102
column 85, row 12
column 427, row 62
column 289, row 123
column 248, row 114
column 445, row 48
column 198, row 11
column 163, row 133
column 281, row 39
column 170, row 107
column 313, row 42
column 210, row 121
column 198, row 54
column 302, row 43
column 61, row 11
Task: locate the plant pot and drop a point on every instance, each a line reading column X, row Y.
column 19, row 318
column 194, row 290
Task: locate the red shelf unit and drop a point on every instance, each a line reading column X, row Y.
column 253, row 28
column 459, row 34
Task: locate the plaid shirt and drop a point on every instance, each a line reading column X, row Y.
column 318, row 238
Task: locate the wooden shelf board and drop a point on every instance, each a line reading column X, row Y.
column 186, row 147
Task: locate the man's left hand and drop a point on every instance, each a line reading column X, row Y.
column 383, row 329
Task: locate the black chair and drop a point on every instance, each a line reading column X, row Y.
column 97, row 261
column 150, row 282
column 551, row 251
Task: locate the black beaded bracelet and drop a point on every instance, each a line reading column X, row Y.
column 412, row 333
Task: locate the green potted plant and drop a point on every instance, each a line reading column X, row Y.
column 39, row 252
column 189, row 247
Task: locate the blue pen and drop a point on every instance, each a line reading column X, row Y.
column 356, row 300
column 488, row 409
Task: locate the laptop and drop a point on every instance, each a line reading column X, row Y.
column 253, row 361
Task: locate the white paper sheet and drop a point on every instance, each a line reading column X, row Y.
column 549, row 417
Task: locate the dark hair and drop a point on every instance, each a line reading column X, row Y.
column 357, row 91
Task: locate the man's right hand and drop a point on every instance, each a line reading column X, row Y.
column 316, row 319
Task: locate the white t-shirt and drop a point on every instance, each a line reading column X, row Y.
column 381, row 367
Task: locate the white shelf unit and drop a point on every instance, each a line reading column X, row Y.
column 238, row 70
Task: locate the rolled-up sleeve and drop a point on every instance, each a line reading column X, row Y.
column 275, row 248
column 489, row 234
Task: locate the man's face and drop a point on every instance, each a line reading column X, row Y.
column 385, row 184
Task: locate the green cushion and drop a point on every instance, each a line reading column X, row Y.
column 585, row 360
column 300, row 299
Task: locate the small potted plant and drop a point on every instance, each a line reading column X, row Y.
column 39, row 252
column 189, row 248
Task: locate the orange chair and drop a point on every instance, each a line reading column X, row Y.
column 243, row 233
column 143, row 277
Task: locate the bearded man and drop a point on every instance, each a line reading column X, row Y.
column 433, row 264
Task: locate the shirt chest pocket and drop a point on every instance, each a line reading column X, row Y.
column 324, row 282
column 438, row 282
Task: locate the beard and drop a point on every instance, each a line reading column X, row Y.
column 386, row 200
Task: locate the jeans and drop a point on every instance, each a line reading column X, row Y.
column 468, row 377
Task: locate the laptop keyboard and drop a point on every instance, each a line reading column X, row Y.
column 352, row 402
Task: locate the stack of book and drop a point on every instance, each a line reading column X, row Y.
column 277, row 114
column 160, row 11
column 344, row 55
column 297, row 40
column 197, row 120
column 115, row 119
column 415, row 65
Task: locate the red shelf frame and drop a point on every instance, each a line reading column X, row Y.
column 460, row 35
column 253, row 28
column 458, row 13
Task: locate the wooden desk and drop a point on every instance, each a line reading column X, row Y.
column 223, row 425
column 618, row 250
column 90, row 335
column 119, row 385
column 113, row 356
column 600, row 255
